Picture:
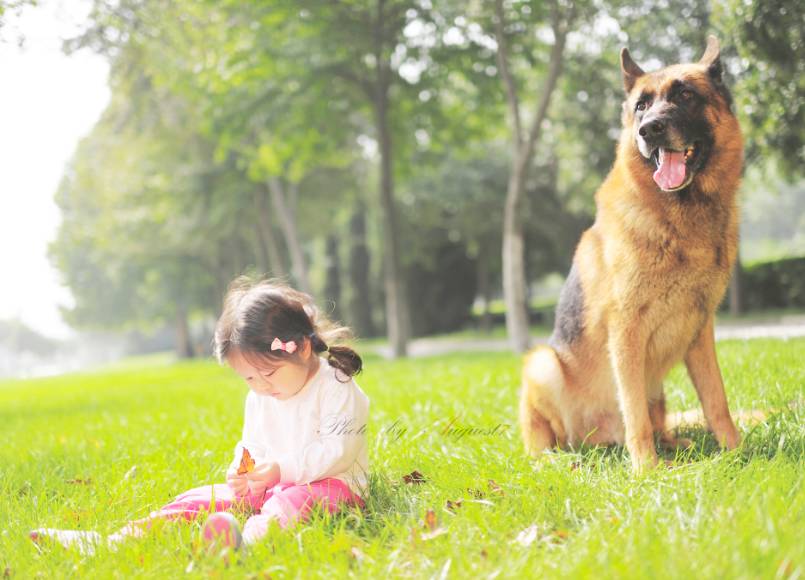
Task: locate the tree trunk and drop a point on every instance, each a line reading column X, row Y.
column 184, row 346
column 514, row 282
column 523, row 146
column 397, row 318
column 287, row 220
column 360, row 305
column 332, row 287
column 270, row 246
column 396, row 307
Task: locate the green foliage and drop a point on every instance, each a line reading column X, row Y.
column 441, row 303
column 210, row 100
column 773, row 215
column 777, row 284
column 128, row 243
column 72, row 441
column 769, row 40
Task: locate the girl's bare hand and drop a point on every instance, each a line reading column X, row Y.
column 237, row 483
column 264, row 476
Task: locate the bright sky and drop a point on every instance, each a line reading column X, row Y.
column 48, row 101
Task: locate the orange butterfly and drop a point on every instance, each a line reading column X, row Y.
column 246, row 463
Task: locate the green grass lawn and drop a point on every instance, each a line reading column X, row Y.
column 68, row 443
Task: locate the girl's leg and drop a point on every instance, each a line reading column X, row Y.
column 188, row 505
column 288, row 503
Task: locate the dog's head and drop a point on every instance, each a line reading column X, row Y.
column 679, row 129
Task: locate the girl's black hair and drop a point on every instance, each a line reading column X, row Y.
column 255, row 312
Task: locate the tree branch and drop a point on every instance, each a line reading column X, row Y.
column 560, row 30
column 343, row 71
column 505, row 73
column 381, row 66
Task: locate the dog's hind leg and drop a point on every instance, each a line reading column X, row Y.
column 535, row 429
column 542, row 379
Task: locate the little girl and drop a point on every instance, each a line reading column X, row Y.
column 304, row 424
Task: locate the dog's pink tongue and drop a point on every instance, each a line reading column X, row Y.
column 671, row 172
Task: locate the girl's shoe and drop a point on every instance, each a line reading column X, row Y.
column 222, row 529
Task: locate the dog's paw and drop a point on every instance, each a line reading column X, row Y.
column 643, row 464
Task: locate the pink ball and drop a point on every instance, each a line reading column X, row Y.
column 222, row 528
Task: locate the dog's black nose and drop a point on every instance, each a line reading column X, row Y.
column 651, row 128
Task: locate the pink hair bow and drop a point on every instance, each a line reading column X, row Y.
column 289, row 347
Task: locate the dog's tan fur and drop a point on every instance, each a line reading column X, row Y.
column 652, row 270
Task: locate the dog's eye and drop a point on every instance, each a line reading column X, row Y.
column 686, row 95
column 641, row 105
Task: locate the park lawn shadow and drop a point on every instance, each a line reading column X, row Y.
column 781, row 433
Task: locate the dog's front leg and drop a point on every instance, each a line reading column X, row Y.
column 706, row 377
column 627, row 349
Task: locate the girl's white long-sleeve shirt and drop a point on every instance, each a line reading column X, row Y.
column 319, row 432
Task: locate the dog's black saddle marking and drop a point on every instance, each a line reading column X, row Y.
column 570, row 310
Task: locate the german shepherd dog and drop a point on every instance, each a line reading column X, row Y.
column 648, row 275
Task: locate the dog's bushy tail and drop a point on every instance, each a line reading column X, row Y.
column 746, row 417
column 695, row 418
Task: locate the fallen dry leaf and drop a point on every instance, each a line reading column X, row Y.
column 80, row 481
column 430, row 523
column 414, row 477
column 495, row 488
column 452, row 506
column 430, row 519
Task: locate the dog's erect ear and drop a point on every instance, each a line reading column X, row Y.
column 631, row 72
column 712, row 58
column 712, row 52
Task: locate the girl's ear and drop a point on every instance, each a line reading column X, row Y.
column 307, row 347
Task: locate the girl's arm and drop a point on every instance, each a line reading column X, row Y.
column 250, row 439
column 344, row 412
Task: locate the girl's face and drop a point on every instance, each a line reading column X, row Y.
column 280, row 380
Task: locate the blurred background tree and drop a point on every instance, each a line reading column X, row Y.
column 363, row 151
